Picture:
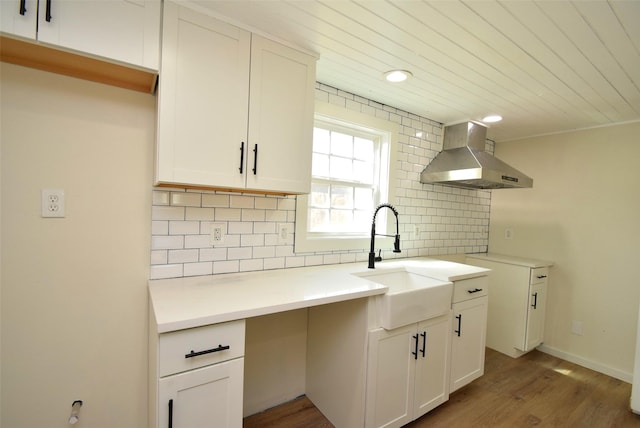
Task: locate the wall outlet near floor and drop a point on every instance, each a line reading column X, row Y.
column 508, row 234
column 576, row 327
column 52, row 203
column 217, row 234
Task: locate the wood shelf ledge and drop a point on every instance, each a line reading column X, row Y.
column 55, row 60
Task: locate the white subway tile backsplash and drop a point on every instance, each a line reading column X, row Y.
column 195, row 269
column 185, row 199
column 451, row 220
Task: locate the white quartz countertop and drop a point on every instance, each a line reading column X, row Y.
column 182, row 303
column 512, row 260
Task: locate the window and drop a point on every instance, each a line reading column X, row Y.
column 350, row 177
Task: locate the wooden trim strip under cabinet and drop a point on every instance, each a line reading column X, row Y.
column 47, row 58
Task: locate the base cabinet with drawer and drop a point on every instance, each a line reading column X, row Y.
column 517, row 304
column 199, row 376
column 469, row 306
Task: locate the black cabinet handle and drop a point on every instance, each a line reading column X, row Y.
column 415, row 353
column 241, row 157
column 255, row 159
column 171, row 413
column 48, row 16
column 207, row 351
column 23, row 7
column 459, row 318
column 541, row 276
column 424, row 343
column 535, row 300
column 474, row 291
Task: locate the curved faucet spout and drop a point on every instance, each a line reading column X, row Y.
column 396, row 243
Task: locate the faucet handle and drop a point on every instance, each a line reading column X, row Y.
column 379, row 258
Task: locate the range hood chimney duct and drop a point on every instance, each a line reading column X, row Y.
column 464, row 163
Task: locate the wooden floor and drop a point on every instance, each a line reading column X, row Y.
column 533, row 390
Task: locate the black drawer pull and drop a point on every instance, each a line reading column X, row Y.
column 241, row 157
column 541, row 276
column 207, row 351
column 459, row 330
column 474, row 291
column 424, row 343
column 23, row 7
column 171, row 413
column 415, row 353
column 535, row 301
column 48, row 11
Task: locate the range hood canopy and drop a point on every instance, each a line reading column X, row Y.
column 464, row 163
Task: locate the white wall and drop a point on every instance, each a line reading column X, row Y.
column 583, row 213
column 74, row 290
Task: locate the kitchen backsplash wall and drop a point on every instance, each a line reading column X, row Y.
column 449, row 220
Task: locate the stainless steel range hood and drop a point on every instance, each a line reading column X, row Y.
column 464, row 163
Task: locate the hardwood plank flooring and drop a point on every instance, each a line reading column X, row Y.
column 536, row 389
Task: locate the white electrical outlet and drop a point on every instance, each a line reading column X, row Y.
column 283, row 233
column 576, row 327
column 416, row 231
column 217, row 234
column 508, row 234
column 52, row 203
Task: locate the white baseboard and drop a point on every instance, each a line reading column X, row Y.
column 601, row 368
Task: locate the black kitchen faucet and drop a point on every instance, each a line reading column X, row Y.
column 396, row 243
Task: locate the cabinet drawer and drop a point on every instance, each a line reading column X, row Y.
column 539, row 275
column 184, row 350
column 470, row 288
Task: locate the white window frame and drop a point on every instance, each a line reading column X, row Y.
column 389, row 131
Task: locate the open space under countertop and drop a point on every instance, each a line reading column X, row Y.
column 182, row 303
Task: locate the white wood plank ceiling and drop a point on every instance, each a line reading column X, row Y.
column 545, row 66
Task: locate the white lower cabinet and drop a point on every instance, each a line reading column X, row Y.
column 517, row 305
column 408, row 372
column 197, row 377
column 470, row 303
column 206, row 397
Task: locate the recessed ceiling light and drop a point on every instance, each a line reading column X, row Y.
column 396, row 76
column 492, row 118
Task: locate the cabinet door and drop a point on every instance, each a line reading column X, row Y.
column 390, row 377
column 536, row 316
column 19, row 21
column 467, row 346
column 432, row 364
column 203, row 99
column 206, row 397
column 280, row 118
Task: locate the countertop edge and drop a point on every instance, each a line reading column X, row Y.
column 513, row 260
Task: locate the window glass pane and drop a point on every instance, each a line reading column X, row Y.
column 362, row 220
column 341, row 220
column 319, row 196
column 318, row 220
column 341, row 168
column 364, row 199
column 363, row 171
column 321, row 140
column 341, row 197
column 341, row 144
column 363, row 149
column 320, row 165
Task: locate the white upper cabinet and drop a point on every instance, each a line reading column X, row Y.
column 235, row 110
column 127, row 31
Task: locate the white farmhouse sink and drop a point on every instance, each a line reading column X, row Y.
column 411, row 297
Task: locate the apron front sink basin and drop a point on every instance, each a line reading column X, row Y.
column 411, row 297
